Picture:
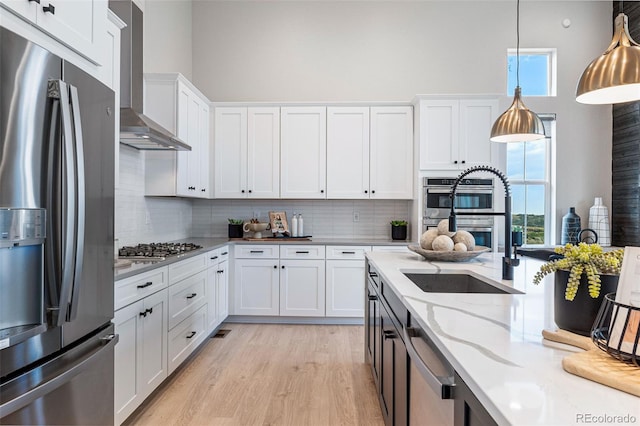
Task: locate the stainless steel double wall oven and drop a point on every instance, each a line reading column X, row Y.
column 473, row 195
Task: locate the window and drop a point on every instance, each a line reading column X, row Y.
column 530, row 173
column 537, row 72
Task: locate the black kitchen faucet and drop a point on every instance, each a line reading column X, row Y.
column 508, row 263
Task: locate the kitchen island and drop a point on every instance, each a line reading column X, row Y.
column 494, row 342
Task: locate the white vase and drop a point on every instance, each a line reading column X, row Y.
column 599, row 222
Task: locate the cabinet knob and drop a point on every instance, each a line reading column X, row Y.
column 50, row 9
column 366, row 192
column 373, row 191
column 242, row 191
column 275, row 266
column 322, row 191
column 203, row 190
column 464, row 161
column 282, row 266
column 455, row 162
column 149, row 311
column 250, row 191
column 143, row 314
column 220, row 271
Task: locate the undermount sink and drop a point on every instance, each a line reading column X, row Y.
column 455, row 283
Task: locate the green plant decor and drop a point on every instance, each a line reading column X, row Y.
column 399, row 223
column 580, row 259
column 235, row 221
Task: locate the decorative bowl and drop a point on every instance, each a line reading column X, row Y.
column 448, row 256
column 256, row 228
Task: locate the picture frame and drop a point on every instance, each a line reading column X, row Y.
column 279, row 224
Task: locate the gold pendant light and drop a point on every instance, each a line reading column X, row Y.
column 518, row 123
column 613, row 77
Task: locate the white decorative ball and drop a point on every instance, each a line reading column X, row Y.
column 443, row 243
column 443, row 228
column 459, row 247
column 426, row 240
column 466, row 238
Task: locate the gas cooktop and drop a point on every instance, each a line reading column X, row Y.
column 155, row 251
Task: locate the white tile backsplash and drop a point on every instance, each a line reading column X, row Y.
column 141, row 219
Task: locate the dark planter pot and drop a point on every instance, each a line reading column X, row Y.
column 235, row 231
column 579, row 315
column 399, row 232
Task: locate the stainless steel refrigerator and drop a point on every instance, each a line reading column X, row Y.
column 56, row 239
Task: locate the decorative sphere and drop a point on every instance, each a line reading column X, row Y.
column 466, row 238
column 442, row 243
column 443, row 228
column 459, row 247
column 427, row 238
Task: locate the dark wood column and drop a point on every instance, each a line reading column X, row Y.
column 625, row 194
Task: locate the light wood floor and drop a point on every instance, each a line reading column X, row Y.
column 270, row 374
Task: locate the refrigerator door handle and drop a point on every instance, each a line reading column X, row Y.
column 78, row 154
column 69, row 239
column 108, row 342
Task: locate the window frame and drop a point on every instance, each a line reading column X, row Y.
column 552, row 69
column 548, row 182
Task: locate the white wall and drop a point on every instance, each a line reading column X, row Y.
column 393, row 50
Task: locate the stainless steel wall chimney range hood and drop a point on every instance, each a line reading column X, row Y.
column 136, row 129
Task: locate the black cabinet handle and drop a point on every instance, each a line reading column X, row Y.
column 147, row 284
column 388, row 334
column 149, row 311
column 225, row 253
column 348, row 252
column 373, row 274
column 51, row 9
column 193, row 333
column 192, row 295
column 256, row 251
column 143, row 314
column 373, row 297
column 213, row 258
column 302, row 252
column 220, row 271
column 455, row 162
column 203, row 190
column 464, row 161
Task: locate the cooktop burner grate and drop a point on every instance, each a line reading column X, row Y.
column 156, row 251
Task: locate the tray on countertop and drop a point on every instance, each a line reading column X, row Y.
column 594, row 364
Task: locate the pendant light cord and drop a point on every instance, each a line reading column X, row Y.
column 518, row 43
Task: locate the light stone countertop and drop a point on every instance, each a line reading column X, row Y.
column 495, row 344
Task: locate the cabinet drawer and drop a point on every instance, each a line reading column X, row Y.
column 216, row 256
column 186, row 297
column 186, row 336
column 347, row 252
column 257, row 251
column 301, row 252
column 181, row 270
column 135, row 288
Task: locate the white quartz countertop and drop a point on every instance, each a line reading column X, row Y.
column 495, row 344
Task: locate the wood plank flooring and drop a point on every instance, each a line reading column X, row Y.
column 270, row 374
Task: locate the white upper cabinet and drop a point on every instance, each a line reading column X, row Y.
column 176, row 104
column 80, row 25
column 391, row 152
column 454, row 133
column 247, row 152
column 303, row 152
column 348, row 152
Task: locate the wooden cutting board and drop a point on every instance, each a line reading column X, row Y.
column 595, row 364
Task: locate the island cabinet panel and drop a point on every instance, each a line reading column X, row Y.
column 468, row 410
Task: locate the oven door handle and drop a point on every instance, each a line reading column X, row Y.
column 443, row 386
column 460, row 192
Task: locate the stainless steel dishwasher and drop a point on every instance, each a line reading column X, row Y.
column 431, row 381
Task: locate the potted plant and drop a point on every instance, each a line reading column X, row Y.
column 235, row 228
column 399, row 229
column 584, row 273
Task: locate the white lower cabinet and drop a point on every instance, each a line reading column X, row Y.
column 345, row 272
column 141, row 353
column 256, row 287
column 302, row 287
column 186, row 336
